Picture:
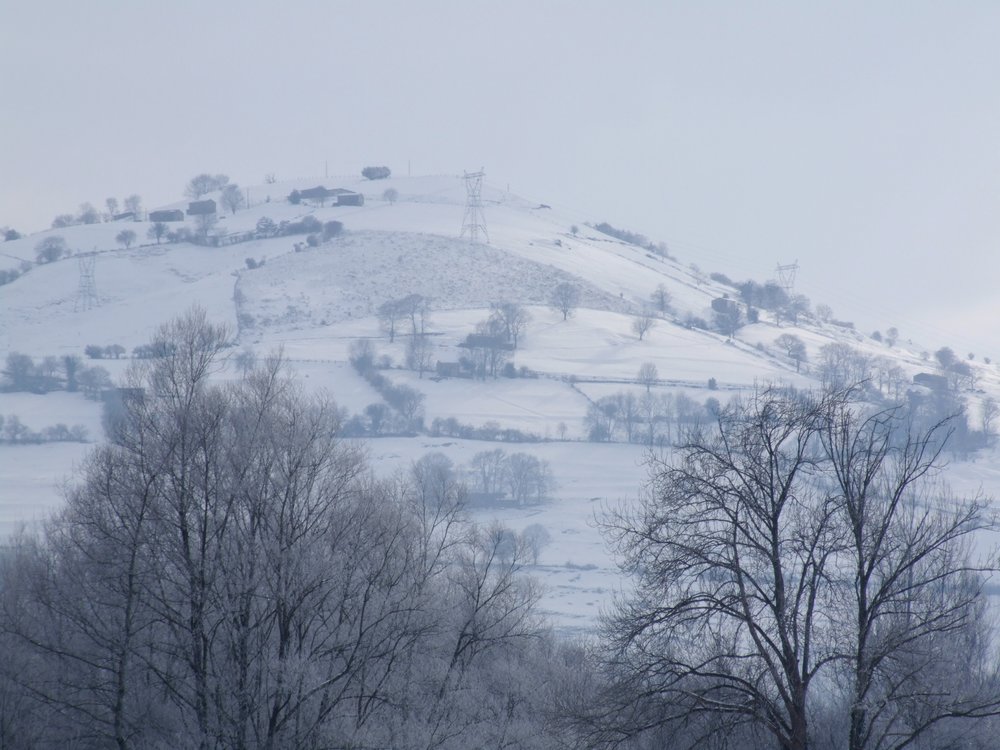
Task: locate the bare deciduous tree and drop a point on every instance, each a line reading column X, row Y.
column 202, row 184
column 125, row 237
column 133, row 204
column 647, row 375
column 661, row 299
column 915, row 585
column 232, row 198
column 419, row 353
column 513, row 317
column 793, row 347
column 157, row 231
column 642, row 324
column 800, row 538
column 565, row 298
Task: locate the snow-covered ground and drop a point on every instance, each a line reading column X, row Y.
column 311, row 304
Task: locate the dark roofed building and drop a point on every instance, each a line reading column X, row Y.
column 485, row 341
column 201, row 208
column 167, row 215
column 347, row 197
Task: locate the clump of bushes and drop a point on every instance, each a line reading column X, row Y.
column 306, row 225
column 95, row 351
column 375, row 173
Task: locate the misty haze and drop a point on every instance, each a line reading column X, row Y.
column 522, row 375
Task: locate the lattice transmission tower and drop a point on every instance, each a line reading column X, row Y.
column 86, row 295
column 474, row 222
column 786, row 276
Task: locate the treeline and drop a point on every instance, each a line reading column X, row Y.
column 652, row 418
column 405, row 412
column 14, row 432
column 229, row 574
column 633, row 238
column 23, row 373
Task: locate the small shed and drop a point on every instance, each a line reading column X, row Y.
column 348, row 197
column 167, row 215
column 201, row 208
column 127, row 216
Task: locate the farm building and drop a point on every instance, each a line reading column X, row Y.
column 167, row 215
column 347, row 197
column 201, row 208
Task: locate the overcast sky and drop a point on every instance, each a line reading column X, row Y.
column 858, row 138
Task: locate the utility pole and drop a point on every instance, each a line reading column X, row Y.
column 786, row 276
column 473, row 222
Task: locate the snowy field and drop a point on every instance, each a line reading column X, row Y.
column 312, row 304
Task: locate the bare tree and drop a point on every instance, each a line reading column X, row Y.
column 390, row 195
column 528, row 478
column 390, row 313
column 204, row 183
column 648, row 375
column 232, row 198
column 204, row 223
column 205, row 585
column 841, row 364
column 417, row 308
column 989, row 409
column 133, row 204
column 125, row 237
column 915, row 586
column 565, row 298
column 487, row 470
column 661, row 299
column 793, row 347
column 536, row 537
column 489, row 348
column 157, row 231
column 730, row 551
column 419, row 353
column 801, row 538
column 642, row 324
column 513, row 317
column 112, row 205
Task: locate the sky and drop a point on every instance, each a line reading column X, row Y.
column 857, row 139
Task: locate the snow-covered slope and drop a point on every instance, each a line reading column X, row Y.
column 312, row 302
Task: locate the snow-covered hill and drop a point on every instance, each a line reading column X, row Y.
column 312, row 302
